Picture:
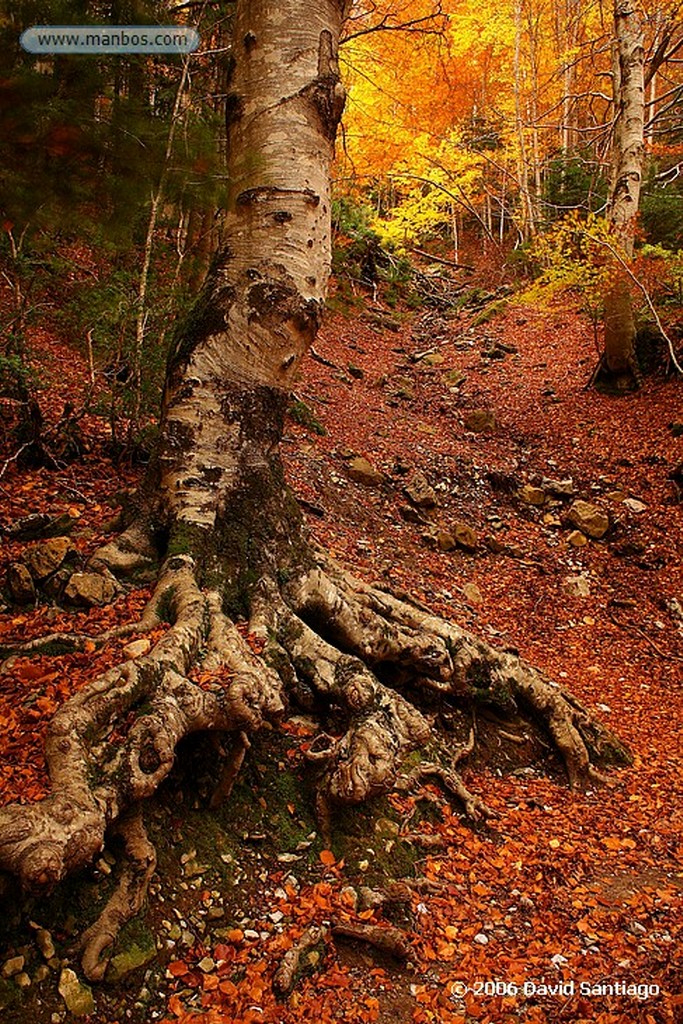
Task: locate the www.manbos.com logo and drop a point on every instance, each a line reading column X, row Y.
column 53, row 39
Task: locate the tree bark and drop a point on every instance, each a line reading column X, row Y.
column 619, row 359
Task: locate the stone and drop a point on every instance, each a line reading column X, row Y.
column 130, row 959
column 137, row 649
column 531, row 495
column 23, row 980
column 577, row 539
column 89, row 589
column 45, row 943
column 46, row 556
column 77, row 996
column 479, row 420
column 363, row 472
column 41, row 525
column 577, row 586
column 633, row 505
column 14, row 965
column 473, row 594
column 589, row 518
column 419, row 492
column 404, row 389
column 481, row 939
column 558, row 488
column 454, row 378
column 410, row 514
column 445, row 541
column 432, row 359
column 465, row 537
column 20, row 583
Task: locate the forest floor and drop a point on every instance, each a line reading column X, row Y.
column 566, row 906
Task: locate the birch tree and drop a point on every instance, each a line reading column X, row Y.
column 619, row 359
column 216, row 517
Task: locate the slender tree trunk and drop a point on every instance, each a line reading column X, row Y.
column 619, row 360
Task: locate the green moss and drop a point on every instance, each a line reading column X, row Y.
column 306, row 418
column 489, row 312
column 165, row 608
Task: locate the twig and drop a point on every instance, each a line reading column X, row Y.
column 441, row 259
column 631, row 626
column 639, row 284
column 12, row 458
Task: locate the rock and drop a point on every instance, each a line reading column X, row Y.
column 550, row 519
column 136, row 955
column 14, row 965
column 77, row 996
column 589, row 518
column 481, row 939
column 46, row 556
column 432, row 359
column 465, row 537
column 404, row 389
column 363, row 472
column 616, row 495
column 20, row 583
column 410, row 514
column 137, row 649
column 445, row 541
column 634, row 505
column 577, row 539
column 532, row 495
column 23, row 980
column 558, row 488
column 45, row 943
column 473, row 594
column 479, row 420
column 495, row 545
column 40, row 525
column 54, row 585
column 419, row 492
column 89, row 589
column 577, row 586
column 454, row 378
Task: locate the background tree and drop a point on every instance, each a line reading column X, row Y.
column 619, row 359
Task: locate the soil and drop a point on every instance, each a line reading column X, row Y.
column 559, row 888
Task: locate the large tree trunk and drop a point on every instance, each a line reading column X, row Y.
column 619, row 364
column 217, row 512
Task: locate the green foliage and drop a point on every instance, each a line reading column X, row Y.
column 306, row 418
column 576, row 183
column 359, row 256
column 574, row 256
column 668, row 266
column 661, row 208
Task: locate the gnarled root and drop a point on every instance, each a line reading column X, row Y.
column 128, row 896
column 355, row 655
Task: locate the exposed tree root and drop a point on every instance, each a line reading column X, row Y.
column 286, row 974
column 331, row 644
column 128, row 897
column 383, row 937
